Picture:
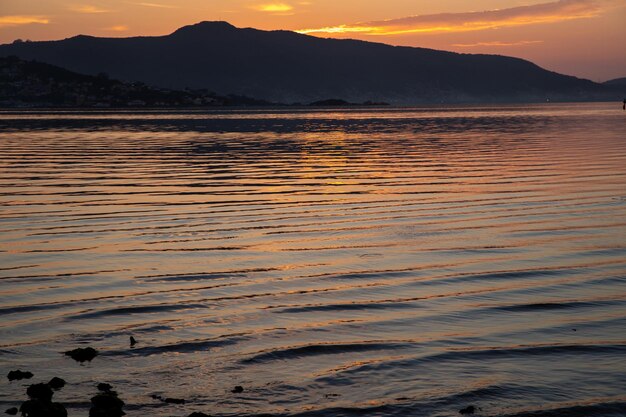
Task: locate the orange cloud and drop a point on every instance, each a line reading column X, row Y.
column 274, row 7
column 88, row 9
column 22, row 20
column 118, row 28
column 557, row 11
column 157, row 5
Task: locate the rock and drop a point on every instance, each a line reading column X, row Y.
column 12, row 411
column 107, row 400
column 133, row 342
column 174, row 401
column 41, row 392
column 97, row 412
column 38, row 408
column 82, row 354
column 468, row 410
column 168, row 400
column 56, row 383
column 197, row 414
column 19, row 375
column 40, row 403
column 106, row 404
column 237, row 390
column 104, row 387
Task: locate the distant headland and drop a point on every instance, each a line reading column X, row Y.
column 32, row 84
column 220, row 60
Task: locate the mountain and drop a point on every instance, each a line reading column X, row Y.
column 35, row 84
column 617, row 82
column 287, row 67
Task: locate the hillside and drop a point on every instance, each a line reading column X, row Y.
column 617, row 82
column 35, row 84
column 287, row 67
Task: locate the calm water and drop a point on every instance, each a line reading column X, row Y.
column 334, row 263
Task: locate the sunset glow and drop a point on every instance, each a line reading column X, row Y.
column 463, row 22
column 88, row 9
column 274, row 7
column 22, row 20
column 577, row 37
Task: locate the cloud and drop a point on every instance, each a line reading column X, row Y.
column 556, row 11
column 118, row 28
column 495, row 43
column 22, row 20
column 85, row 8
column 156, row 5
column 273, row 7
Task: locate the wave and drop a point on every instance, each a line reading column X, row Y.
column 322, row 349
column 345, row 262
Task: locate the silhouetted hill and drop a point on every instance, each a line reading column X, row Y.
column 617, row 82
column 35, row 84
column 288, row 67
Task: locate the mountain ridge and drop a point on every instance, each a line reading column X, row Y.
column 284, row 66
column 621, row 82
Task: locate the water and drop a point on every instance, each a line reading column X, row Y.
column 334, row 263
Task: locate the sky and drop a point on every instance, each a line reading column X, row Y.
column 585, row 38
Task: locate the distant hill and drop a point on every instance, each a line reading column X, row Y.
column 287, row 67
column 617, row 82
column 35, row 84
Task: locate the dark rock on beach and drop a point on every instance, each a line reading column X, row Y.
column 19, row 375
column 237, row 390
column 468, row 410
column 107, row 400
column 104, row 387
column 37, row 408
column 56, row 383
column 41, row 392
column 82, row 354
column 106, row 403
column 12, row 411
column 40, row 403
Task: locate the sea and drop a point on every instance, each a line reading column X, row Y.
column 374, row 261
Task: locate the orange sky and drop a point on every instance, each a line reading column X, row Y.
column 586, row 38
